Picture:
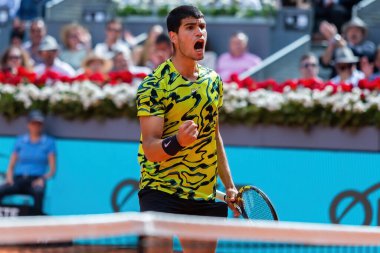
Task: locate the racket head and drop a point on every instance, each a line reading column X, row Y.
column 255, row 204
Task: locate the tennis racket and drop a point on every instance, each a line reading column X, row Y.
column 252, row 203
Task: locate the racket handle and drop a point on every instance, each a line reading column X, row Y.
column 220, row 195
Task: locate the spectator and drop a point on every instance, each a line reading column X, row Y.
column 122, row 62
column 238, row 59
column 37, row 33
column 14, row 58
column 163, row 50
column 113, row 42
column 17, row 36
column 142, row 53
column 309, row 68
column 74, row 50
column 95, row 68
column 16, row 67
column 48, row 50
column 371, row 66
column 336, row 12
column 354, row 34
column 28, row 170
column 345, row 64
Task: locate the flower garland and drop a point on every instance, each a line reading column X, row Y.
column 301, row 103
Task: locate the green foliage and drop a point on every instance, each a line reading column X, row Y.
column 130, row 10
column 10, row 108
column 163, row 11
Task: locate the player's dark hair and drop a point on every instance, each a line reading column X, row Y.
column 173, row 21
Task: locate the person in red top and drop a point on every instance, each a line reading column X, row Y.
column 16, row 67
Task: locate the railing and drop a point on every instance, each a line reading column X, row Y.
column 279, row 62
column 361, row 5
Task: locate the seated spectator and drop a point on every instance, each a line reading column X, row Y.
column 16, row 67
column 124, row 71
column 95, row 68
column 371, row 66
column 345, row 65
column 28, row 172
column 309, row 68
column 336, row 12
column 140, row 54
column 121, row 62
column 74, row 50
column 238, row 59
column 163, row 50
column 113, row 42
column 17, row 36
column 37, row 33
column 48, row 50
column 354, row 36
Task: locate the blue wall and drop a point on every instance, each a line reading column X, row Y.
column 301, row 183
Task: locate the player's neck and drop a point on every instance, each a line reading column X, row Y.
column 188, row 68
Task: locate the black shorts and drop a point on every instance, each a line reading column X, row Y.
column 158, row 201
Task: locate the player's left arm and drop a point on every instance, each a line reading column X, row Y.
column 225, row 172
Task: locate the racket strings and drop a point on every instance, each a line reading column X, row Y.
column 256, row 206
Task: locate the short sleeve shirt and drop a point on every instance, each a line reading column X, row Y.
column 192, row 172
column 33, row 156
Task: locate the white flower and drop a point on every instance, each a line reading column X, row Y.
column 24, row 98
column 10, row 89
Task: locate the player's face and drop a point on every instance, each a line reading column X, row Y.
column 191, row 39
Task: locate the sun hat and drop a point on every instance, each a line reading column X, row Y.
column 345, row 55
column 355, row 22
column 48, row 43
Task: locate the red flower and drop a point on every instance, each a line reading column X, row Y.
column 98, row 78
column 293, row 84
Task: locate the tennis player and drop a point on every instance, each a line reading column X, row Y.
column 181, row 152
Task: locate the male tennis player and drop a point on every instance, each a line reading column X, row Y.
column 181, row 151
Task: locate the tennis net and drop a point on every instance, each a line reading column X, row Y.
column 133, row 232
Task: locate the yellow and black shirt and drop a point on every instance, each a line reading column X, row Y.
column 192, row 172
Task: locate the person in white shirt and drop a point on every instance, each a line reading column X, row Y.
column 345, row 65
column 49, row 53
column 113, row 42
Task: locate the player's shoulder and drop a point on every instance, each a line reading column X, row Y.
column 209, row 73
column 160, row 73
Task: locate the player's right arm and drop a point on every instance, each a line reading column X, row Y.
column 155, row 148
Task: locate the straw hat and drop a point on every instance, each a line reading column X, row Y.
column 345, row 55
column 107, row 64
column 355, row 22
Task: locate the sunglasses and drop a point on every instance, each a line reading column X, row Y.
column 14, row 57
column 308, row 65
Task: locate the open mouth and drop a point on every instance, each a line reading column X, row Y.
column 199, row 45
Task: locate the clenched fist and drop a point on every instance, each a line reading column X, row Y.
column 187, row 133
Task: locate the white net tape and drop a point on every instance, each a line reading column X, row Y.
column 62, row 228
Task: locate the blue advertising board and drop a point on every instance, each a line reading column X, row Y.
column 304, row 185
